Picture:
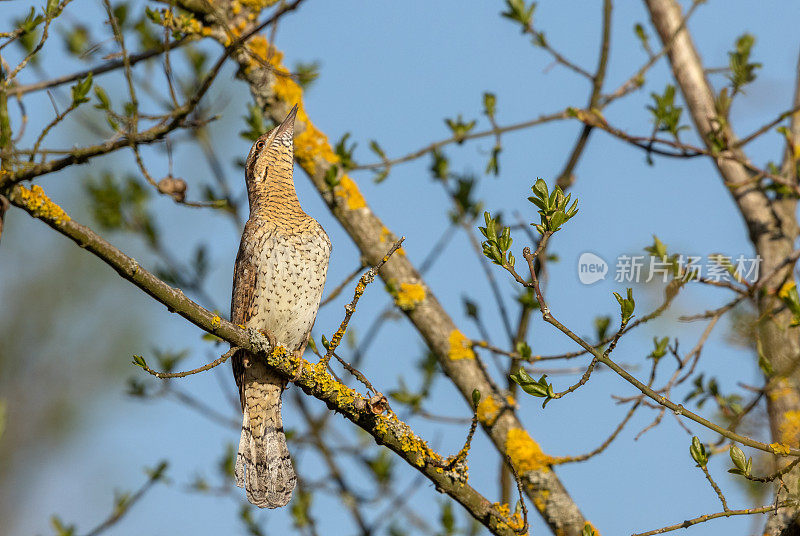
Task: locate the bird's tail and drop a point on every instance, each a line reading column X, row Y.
column 263, row 466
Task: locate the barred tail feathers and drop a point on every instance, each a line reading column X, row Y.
column 263, row 466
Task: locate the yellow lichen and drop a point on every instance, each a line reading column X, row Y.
column 184, row 22
column 786, row 289
column 460, row 346
column 515, row 521
column 258, row 5
column 215, row 322
column 319, row 375
column 312, row 144
column 390, row 425
column 409, row 295
column 783, row 389
column 525, row 453
column 789, row 430
column 40, row 205
column 540, row 500
column 488, row 410
column 780, row 448
column 348, row 191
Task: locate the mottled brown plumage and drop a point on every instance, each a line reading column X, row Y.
column 277, row 285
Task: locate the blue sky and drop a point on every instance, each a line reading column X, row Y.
column 392, row 72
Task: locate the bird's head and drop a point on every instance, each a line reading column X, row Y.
column 271, row 158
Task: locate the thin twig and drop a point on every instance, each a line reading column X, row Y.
column 167, row 375
column 605, row 444
column 716, row 487
column 124, row 506
column 350, row 308
column 708, row 517
column 99, row 69
column 459, row 139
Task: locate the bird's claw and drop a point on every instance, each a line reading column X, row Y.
column 298, row 369
column 270, row 337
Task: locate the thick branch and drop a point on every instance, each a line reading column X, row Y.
column 260, row 67
column 312, row 379
column 772, row 226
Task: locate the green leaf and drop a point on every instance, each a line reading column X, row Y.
column 641, row 34
column 666, row 115
column 306, row 73
column 103, row 102
column 476, row 398
column 255, row 122
column 470, row 308
column 447, row 518
column 80, row 90
column 540, row 190
column 466, row 207
column 51, row 9
column 742, row 69
column 517, row 11
column 523, row 349
column 552, row 205
column 76, row 41
column 698, row 452
column 31, row 21
column 440, row 165
column 489, row 104
column 377, row 149
column 658, row 249
column 60, row 528
column 459, row 127
column 660, row 348
column 381, row 466
column 121, row 14
column 627, row 305
column 139, row 361
column 493, row 166
column 332, row 176
column 301, row 509
column 153, row 15
column 344, row 152
column 601, row 325
column 740, row 461
column 539, row 388
column 157, row 473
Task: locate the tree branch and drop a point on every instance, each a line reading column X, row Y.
column 276, row 94
column 314, row 380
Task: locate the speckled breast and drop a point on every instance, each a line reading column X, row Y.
column 291, row 270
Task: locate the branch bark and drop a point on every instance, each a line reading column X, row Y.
column 275, row 92
column 772, row 228
column 313, row 379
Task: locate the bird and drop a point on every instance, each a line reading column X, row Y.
column 278, row 279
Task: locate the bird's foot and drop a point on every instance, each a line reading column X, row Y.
column 298, row 369
column 273, row 343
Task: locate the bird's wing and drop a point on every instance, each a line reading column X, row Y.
column 244, row 285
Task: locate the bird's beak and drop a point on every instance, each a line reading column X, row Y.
column 287, row 127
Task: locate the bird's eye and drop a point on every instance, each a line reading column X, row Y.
column 260, row 144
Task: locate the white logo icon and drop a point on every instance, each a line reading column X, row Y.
column 591, row 268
